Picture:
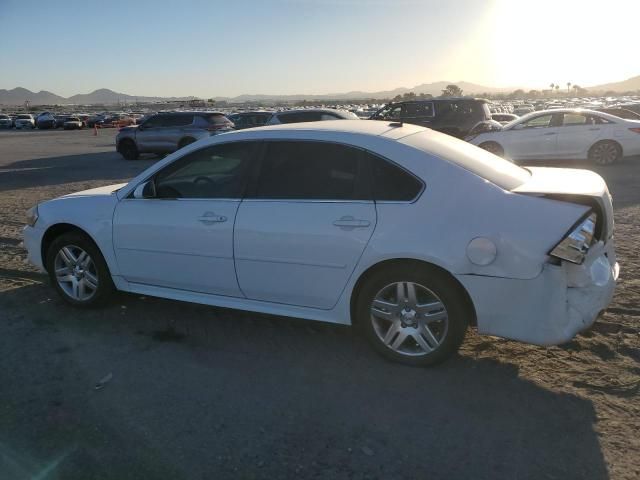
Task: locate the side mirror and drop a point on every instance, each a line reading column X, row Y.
column 145, row 190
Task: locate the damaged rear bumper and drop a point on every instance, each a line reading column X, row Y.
column 551, row 308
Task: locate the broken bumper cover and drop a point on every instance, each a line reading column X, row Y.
column 551, row 308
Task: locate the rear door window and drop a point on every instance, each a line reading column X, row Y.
column 311, row 171
column 418, row 109
column 177, row 120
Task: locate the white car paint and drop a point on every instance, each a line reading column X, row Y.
column 294, row 258
column 559, row 142
column 25, row 121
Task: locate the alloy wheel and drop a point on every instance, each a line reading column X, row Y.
column 605, row 153
column 409, row 318
column 75, row 273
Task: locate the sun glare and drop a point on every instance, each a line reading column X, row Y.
column 560, row 41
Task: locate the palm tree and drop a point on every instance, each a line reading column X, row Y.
column 557, row 88
column 568, row 87
column 552, row 85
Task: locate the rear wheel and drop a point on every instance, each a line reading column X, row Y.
column 128, row 150
column 605, row 152
column 414, row 315
column 493, row 147
column 78, row 270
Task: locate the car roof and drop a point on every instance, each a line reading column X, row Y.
column 364, row 127
column 312, row 110
column 569, row 110
column 191, row 112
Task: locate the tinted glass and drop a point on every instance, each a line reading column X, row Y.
column 219, row 171
column 153, row 121
column 299, row 117
column 176, row 120
column 310, row 171
column 390, row 182
column 419, row 109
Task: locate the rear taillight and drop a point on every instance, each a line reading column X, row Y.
column 575, row 246
column 635, row 130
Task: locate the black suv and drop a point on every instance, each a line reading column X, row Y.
column 455, row 116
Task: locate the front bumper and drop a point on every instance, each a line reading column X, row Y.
column 551, row 308
column 32, row 242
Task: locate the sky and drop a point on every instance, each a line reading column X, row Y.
column 212, row 48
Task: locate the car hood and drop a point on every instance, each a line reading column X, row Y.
column 128, row 129
column 100, row 191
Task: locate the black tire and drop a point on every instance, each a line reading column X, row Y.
column 605, row 152
column 185, row 141
column 99, row 269
column 128, row 150
column 457, row 307
column 493, row 147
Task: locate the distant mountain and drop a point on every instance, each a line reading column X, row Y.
column 426, row 88
column 630, row 85
column 104, row 96
column 17, row 96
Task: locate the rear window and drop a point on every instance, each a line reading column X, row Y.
column 217, row 119
column 497, row 170
column 299, row 117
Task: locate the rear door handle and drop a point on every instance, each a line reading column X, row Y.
column 349, row 222
column 209, row 218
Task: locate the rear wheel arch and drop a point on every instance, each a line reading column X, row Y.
column 408, row 263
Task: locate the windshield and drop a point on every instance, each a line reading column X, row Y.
column 497, row 170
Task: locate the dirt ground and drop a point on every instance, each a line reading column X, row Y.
column 205, row 393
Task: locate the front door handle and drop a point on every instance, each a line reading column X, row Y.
column 550, row 133
column 209, row 218
column 349, row 222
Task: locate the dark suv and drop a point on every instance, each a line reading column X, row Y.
column 167, row 132
column 455, row 116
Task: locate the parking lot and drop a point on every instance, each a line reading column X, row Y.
column 199, row 392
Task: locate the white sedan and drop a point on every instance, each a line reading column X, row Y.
column 411, row 234
column 572, row 134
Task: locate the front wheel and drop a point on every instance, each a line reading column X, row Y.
column 78, row 270
column 129, row 150
column 416, row 315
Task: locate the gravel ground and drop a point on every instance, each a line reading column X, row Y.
column 199, row 392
